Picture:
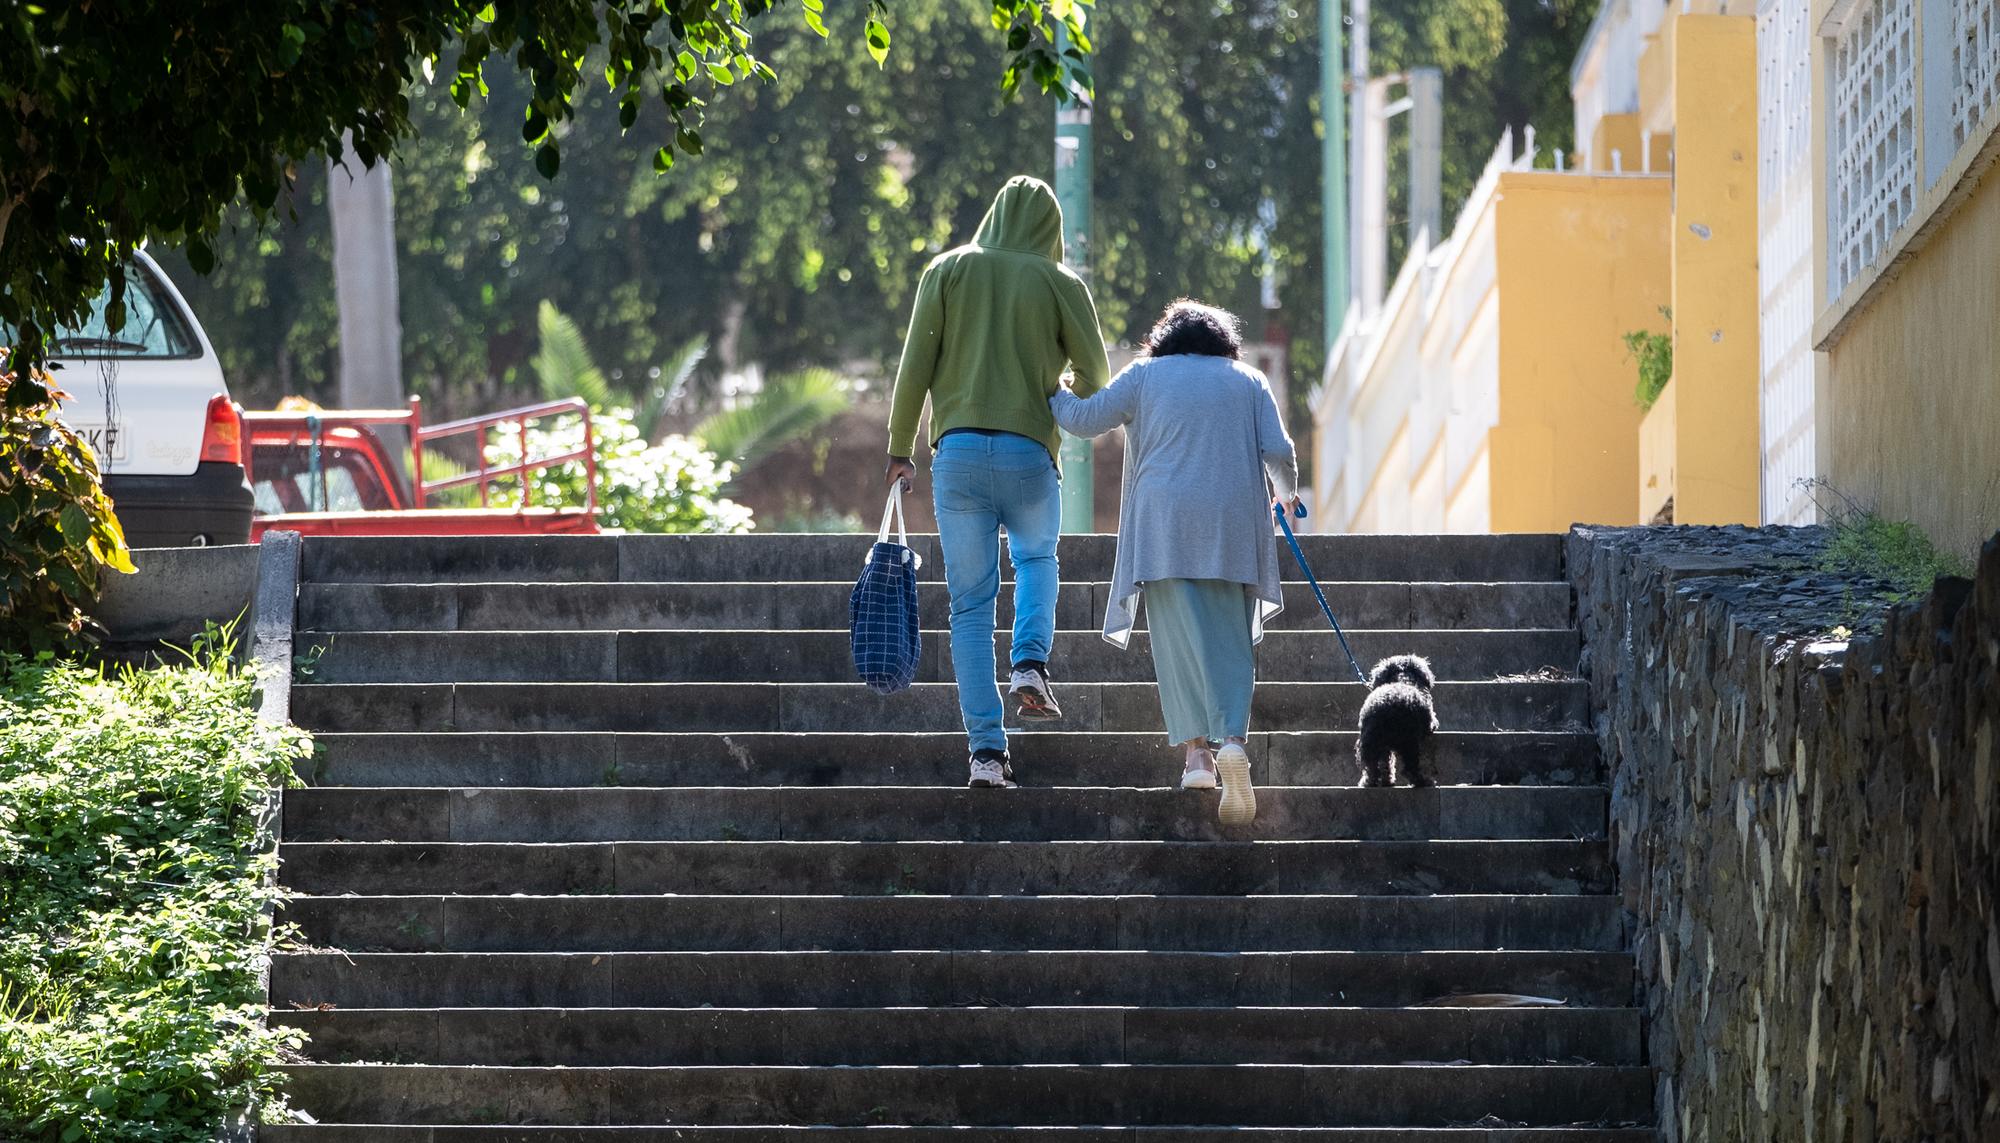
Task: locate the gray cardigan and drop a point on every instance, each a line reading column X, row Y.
column 1204, row 433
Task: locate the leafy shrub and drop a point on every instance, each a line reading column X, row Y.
column 57, row 529
column 133, row 898
column 1654, row 353
column 673, row 486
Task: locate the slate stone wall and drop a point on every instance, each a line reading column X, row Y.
column 1806, row 832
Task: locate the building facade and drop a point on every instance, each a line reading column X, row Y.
column 1824, row 239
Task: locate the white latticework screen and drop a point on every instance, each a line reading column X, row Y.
column 1975, row 64
column 1785, row 257
column 1873, row 154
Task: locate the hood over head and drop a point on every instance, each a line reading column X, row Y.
column 1026, row 217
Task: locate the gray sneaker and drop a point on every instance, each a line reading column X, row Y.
column 990, row 770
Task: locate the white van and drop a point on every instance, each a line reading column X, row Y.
column 151, row 400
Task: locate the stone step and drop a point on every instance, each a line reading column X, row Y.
column 1271, row 1095
column 1105, row 758
column 599, row 656
column 378, row 1133
column 791, row 558
column 932, row 813
column 822, row 605
column 938, row 979
column 947, row 867
column 925, row 707
column 859, row 1037
column 627, row 923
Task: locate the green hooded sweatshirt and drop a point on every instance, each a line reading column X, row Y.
column 995, row 323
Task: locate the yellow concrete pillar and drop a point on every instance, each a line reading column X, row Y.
column 1716, row 469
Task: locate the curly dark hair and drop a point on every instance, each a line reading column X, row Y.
column 1189, row 326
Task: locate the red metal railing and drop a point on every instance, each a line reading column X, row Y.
column 422, row 435
column 485, row 474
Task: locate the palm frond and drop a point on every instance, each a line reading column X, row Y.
column 789, row 406
column 562, row 362
column 664, row 389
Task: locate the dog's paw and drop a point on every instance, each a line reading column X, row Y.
column 1375, row 781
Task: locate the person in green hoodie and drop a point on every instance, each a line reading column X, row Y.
column 996, row 321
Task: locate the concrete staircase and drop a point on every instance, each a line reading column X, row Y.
column 603, row 844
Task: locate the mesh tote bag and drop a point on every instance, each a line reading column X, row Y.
column 883, row 607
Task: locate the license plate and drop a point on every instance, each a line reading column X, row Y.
column 107, row 441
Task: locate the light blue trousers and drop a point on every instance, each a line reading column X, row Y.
column 981, row 482
column 1202, row 656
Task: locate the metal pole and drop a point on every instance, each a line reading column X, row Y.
column 1333, row 170
column 1426, row 154
column 1371, row 194
column 1357, row 134
column 1073, row 176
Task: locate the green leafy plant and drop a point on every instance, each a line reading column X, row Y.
column 135, row 899
column 789, row 406
column 562, row 362
column 1654, row 354
column 673, row 486
column 58, row 532
column 564, row 367
column 1862, row 542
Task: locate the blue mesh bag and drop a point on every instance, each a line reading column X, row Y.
column 883, row 608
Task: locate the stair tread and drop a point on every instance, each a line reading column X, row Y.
column 1006, row 1094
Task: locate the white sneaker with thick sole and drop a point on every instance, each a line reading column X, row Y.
column 990, row 773
column 1197, row 779
column 1036, row 697
column 1239, row 798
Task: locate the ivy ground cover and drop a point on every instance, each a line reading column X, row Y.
column 134, row 900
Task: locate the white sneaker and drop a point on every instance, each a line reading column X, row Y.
column 1239, row 798
column 1196, row 778
column 990, row 771
column 1030, row 687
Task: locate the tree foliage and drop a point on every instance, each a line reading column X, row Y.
column 143, row 120
column 799, row 237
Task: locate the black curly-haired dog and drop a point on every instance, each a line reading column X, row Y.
column 1397, row 719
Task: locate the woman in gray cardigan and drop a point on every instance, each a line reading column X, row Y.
column 1194, row 530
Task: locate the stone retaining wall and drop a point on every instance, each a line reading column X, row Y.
column 1805, row 833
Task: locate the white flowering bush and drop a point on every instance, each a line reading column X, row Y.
column 673, row 486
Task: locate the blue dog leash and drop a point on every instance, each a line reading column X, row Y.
column 1278, row 510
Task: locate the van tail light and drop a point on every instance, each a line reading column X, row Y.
column 222, row 436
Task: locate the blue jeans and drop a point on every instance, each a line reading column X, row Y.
column 982, row 482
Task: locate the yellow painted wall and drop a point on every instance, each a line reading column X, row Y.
column 1656, row 80
column 1717, row 464
column 1616, row 133
column 1911, row 419
column 1656, row 455
column 1581, row 259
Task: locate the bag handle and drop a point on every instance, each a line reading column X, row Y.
column 894, row 506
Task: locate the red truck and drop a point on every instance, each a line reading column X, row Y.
column 330, row 473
